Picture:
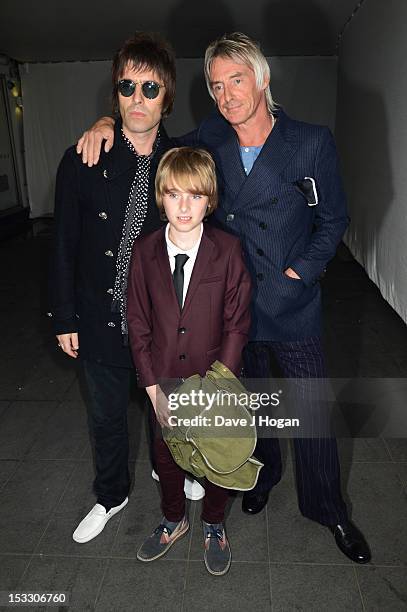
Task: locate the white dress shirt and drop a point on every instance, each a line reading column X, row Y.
column 173, row 250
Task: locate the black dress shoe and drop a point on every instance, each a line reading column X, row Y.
column 351, row 542
column 252, row 503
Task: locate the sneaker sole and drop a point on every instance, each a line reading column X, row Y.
column 164, row 552
column 223, row 572
column 99, row 530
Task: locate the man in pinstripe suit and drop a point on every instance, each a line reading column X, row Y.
column 281, row 193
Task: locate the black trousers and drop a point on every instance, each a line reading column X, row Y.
column 316, row 459
column 109, row 394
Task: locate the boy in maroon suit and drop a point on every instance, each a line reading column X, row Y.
column 188, row 305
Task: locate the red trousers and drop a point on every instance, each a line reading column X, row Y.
column 172, row 479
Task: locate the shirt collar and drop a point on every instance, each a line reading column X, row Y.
column 131, row 147
column 174, row 250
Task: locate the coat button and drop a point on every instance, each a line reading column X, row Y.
column 111, row 324
column 260, row 252
column 109, row 253
column 274, row 200
column 182, row 330
column 103, row 215
column 230, row 217
column 260, row 276
column 262, row 225
column 49, row 314
column 105, row 173
column 110, row 291
column 182, row 357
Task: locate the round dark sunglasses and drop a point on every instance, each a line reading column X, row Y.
column 150, row 89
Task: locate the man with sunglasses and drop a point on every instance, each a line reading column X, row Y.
column 99, row 212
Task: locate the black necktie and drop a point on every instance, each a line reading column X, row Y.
column 178, row 276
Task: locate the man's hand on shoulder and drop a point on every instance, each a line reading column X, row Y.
column 69, row 343
column 90, row 143
column 292, row 274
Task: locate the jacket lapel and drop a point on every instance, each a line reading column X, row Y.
column 119, row 161
column 229, row 163
column 117, row 169
column 277, row 151
column 273, row 158
column 201, row 264
column 165, row 269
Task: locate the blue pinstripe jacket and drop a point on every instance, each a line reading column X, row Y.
column 275, row 223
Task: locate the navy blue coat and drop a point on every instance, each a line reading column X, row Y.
column 272, row 218
column 89, row 213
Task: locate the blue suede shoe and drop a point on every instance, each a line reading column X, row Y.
column 217, row 554
column 161, row 540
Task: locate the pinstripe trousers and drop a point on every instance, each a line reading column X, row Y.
column 316, row 459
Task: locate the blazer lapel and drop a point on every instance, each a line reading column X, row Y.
column 201, row 263
column 229, row 163
column 277, row 151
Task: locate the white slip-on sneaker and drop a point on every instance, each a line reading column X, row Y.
column 95, row 522
column 192, row 489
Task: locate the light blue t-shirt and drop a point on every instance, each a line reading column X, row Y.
column 249, row 156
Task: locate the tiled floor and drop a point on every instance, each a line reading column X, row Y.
column 281, row 561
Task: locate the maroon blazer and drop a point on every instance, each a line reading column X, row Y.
column 214, row 322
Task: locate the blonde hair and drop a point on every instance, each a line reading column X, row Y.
column 243, row 50
column 190, row 169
